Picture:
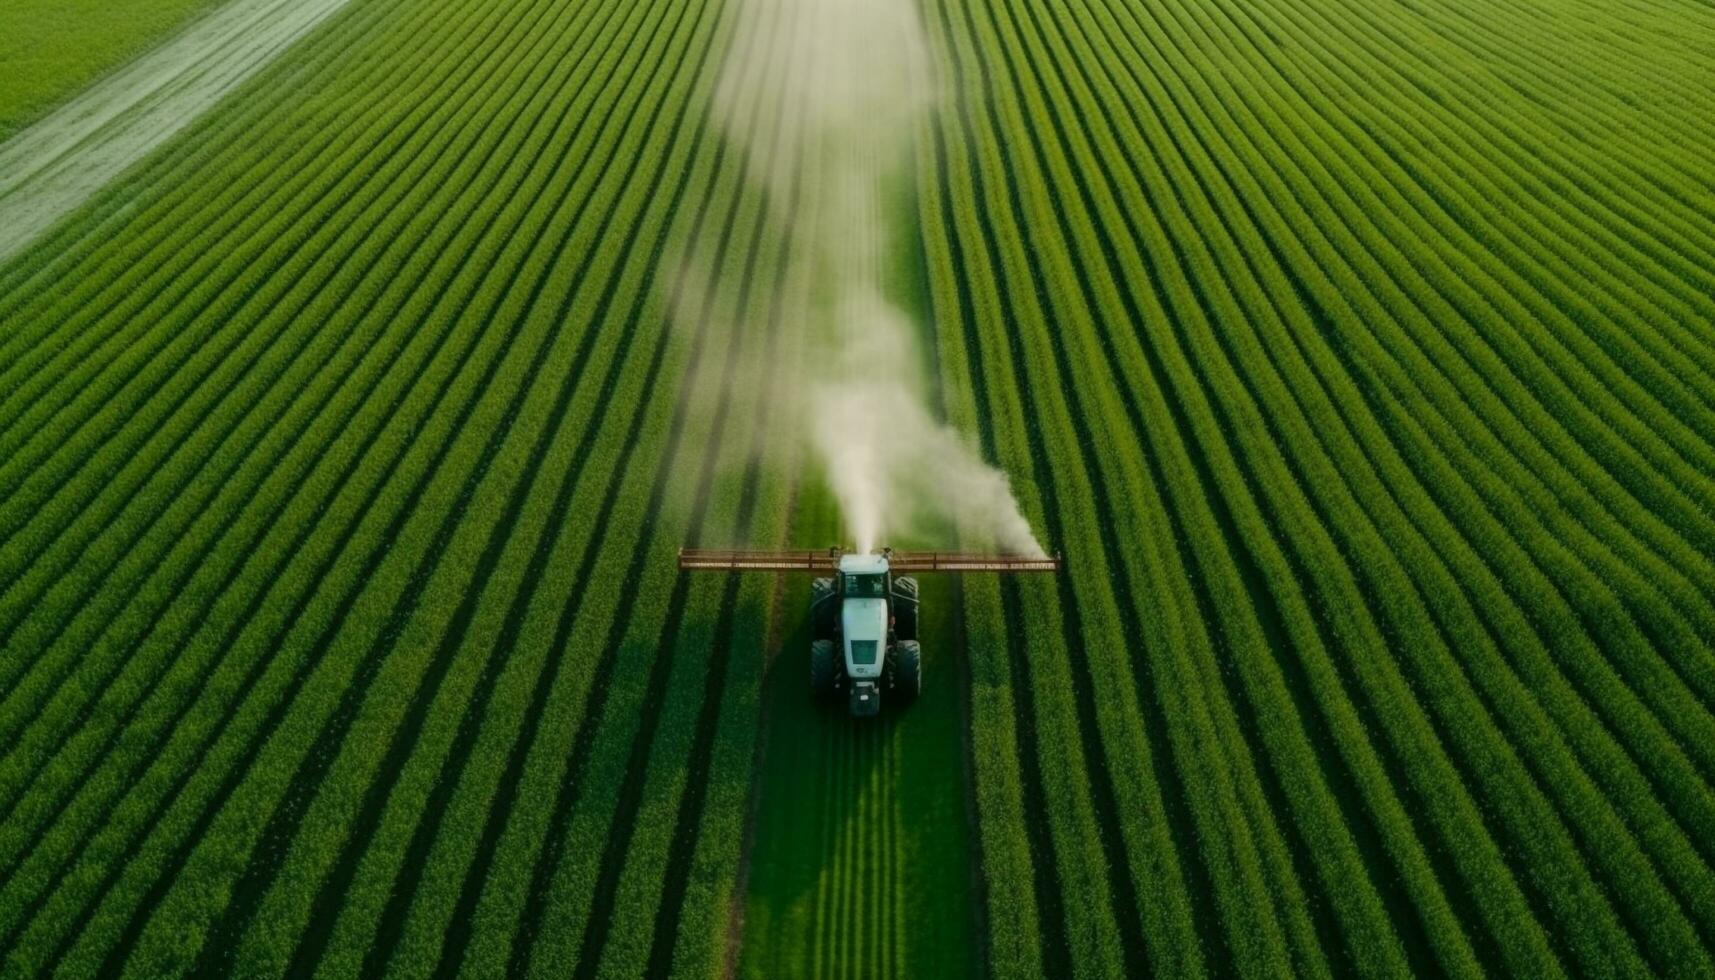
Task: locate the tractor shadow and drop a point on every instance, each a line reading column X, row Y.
column 827, row 862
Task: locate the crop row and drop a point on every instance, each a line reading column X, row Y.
column 675, row 645
column 239, row 484
column 324, row 877
column 1355, row 357
column 346, row 534
column 193, row 661
column 1031, row 685
column 1456, row 514
column 1159, row 206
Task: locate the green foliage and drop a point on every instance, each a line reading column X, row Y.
column 50, row 49
column 1357, row 356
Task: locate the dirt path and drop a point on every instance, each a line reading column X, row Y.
column 56, row 164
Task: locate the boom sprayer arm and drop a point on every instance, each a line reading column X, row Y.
column 713, row 560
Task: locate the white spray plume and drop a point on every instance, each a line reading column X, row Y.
column 860, row 83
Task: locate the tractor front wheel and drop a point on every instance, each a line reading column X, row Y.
column 908, row 670
column 824, row 609
column 824, row 667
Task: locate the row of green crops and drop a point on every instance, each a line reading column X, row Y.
column 1357, row 357
column 342, row 486
column 51, row 49
column 1386, row 637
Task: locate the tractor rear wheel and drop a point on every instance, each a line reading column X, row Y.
column 904, row 607
column 824, row 609
column 824, row 667
column 908, row 670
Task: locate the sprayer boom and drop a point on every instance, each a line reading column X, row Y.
column 918, row 562
column 697, row 559
column 703, row 560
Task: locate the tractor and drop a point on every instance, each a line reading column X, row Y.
column 863, row 617
column 863, row 634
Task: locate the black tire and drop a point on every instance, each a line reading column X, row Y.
column 907, row 670
column 824, row 609
column 904, row 607
column 824, row 667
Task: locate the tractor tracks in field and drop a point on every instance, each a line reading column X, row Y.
column 858, row 929
column 58, row 162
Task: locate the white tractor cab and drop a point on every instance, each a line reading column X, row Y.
column 863, row 624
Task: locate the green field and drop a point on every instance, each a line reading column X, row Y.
column 1358, row 356
column 53, row 48
column 861, row 856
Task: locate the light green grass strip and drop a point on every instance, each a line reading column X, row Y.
column 56, row 164
column 51, row 49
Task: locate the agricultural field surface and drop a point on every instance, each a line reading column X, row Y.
column 53, row 48
column 364, row 365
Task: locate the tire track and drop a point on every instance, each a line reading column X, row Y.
column 234, row 572
column 55, row 546
column 24, row 285
column 60, row 161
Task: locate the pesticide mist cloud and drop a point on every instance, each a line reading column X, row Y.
column 895, row 468
column 860, row 83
